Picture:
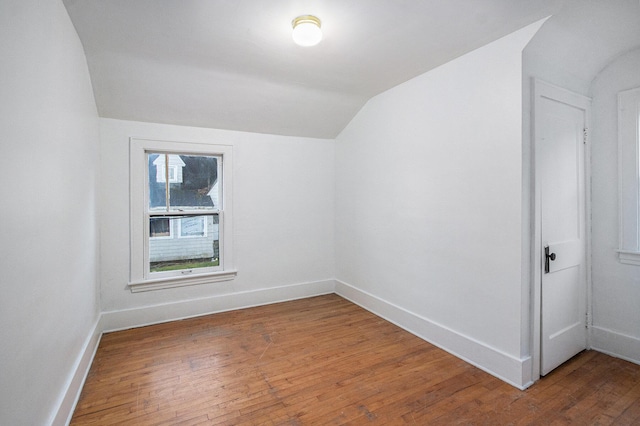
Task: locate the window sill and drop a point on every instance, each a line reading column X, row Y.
column 629, row 257
column 164, row 283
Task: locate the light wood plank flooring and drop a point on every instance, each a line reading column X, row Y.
column 325, row 360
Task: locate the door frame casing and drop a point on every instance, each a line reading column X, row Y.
column 541, row 89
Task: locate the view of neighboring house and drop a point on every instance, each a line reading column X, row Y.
column 193, row 185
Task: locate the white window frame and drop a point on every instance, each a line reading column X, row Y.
column 140, row 278
column 629, row 173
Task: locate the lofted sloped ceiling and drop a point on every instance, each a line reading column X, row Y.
column 231, row 64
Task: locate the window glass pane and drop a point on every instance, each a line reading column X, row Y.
column 192, row 182
column 197, row 183
column 194, row 243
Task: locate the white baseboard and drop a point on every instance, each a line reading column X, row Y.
column 71, row 393
column 615, row 344
column 146, row 315
column 512, row 370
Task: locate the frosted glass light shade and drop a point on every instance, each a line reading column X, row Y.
column 306, row 30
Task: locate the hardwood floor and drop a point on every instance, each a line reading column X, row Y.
column 325, row 360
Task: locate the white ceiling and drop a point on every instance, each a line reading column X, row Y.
column 585, row 36
column 231, row 64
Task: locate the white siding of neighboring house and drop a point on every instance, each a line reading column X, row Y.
column 214, row 194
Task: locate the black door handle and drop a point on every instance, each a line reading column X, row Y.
column 548, row 257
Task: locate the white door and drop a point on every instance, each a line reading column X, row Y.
column 560, row 137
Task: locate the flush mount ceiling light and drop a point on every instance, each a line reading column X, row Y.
column 306, row 30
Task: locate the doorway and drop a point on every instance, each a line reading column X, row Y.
column 560, row 138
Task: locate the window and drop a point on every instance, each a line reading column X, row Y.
column 629, row 175
column 160, row 228
column 194, row 227
column 180, row 214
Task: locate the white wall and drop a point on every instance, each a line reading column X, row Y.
column 429, row 204
column 283, row 219
column 616, row 286
column 48, row 255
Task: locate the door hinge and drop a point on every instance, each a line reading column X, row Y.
column 585, row 131
column 586, row 320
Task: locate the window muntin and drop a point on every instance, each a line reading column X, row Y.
column 180, row 214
